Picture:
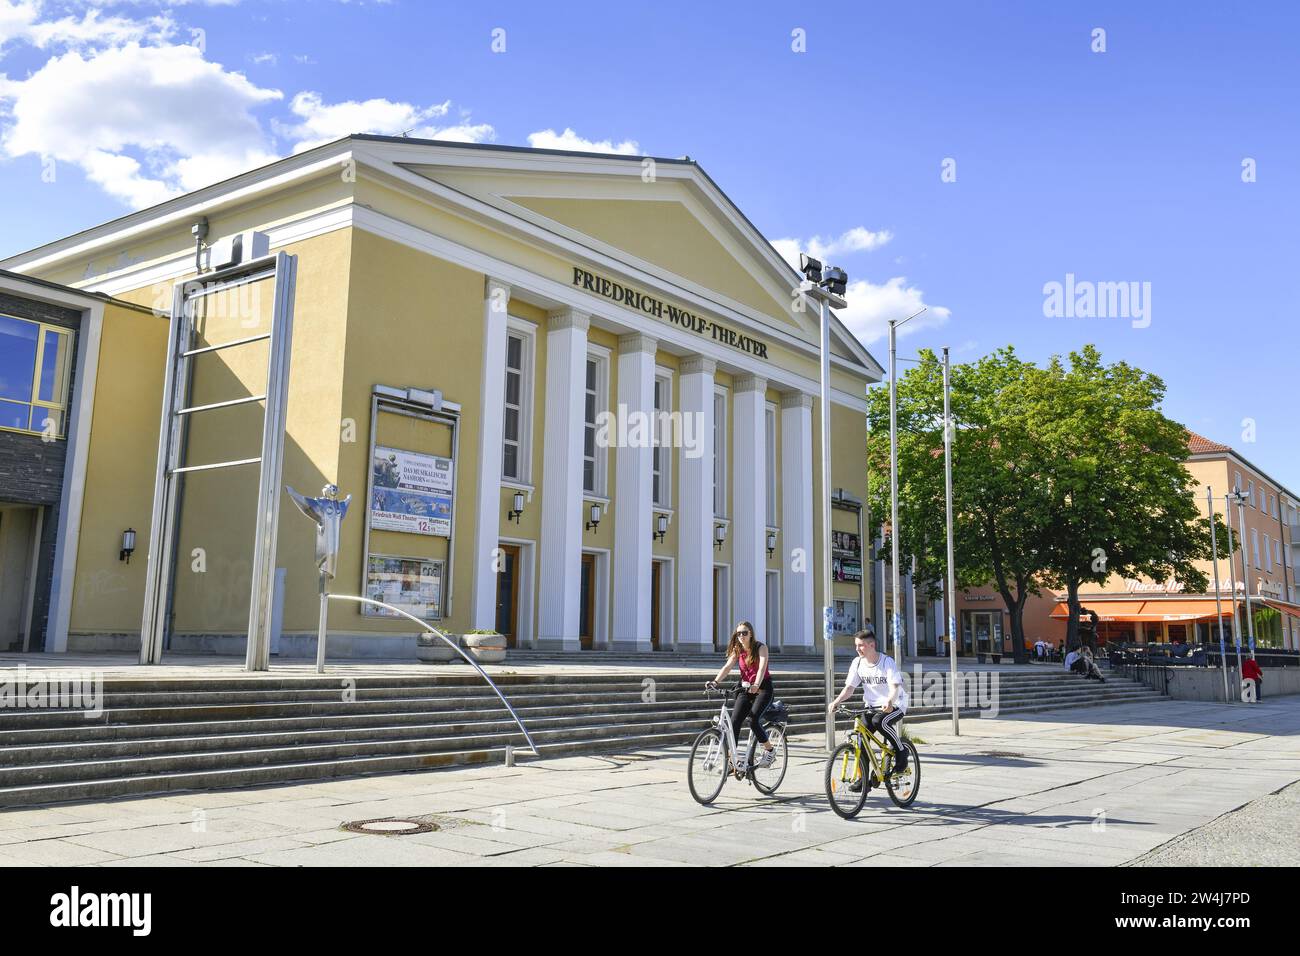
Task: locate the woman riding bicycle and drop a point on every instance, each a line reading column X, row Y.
column 745, row 650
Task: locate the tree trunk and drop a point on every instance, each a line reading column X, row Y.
column 1072, row 622
column 1018, row 652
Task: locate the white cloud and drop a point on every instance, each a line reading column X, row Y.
column 549, row 139
column 857, row 239
column 321, row 122
column 871, row 306
column 23, row 21
column 264, row 58
column 144, row 122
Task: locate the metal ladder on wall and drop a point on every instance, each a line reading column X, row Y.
column 281, row 269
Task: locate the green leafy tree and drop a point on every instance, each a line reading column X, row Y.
column 1001, row 512
column 1062, row 475
column 1122, row 501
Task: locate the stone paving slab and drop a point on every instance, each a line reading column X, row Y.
column 1154, row 782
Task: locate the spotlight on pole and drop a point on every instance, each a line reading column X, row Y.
column 836, row 280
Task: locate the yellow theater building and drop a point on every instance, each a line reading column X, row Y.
column 573, row 397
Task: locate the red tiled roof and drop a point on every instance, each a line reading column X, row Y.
column 1200, row 445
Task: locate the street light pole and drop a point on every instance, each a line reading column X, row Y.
column 1245, row 581
column 1218, row 604
column 1232, row 580
column 827, row 300
column 952, row 574
column 894, row 583
column 828, row 585
column 894, row 570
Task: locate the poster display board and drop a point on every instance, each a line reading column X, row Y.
column 413, row 584
column 846, row 543
column 846, row 569
column 410, row 492
column 847, row 617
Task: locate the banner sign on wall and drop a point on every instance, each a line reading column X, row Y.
column 413, row 584
column 844, row 569
column 411, row 492
column 846, row 542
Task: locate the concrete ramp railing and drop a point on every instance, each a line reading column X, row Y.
column 454, row 646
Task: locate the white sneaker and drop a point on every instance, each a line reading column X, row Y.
column 766, row 758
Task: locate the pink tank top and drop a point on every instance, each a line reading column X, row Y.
column 748, row 672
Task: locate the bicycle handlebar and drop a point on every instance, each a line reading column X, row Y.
column 712, row 688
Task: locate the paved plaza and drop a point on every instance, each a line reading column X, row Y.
column 1153, row 783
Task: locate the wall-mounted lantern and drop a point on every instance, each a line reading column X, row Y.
column 594, row 522
column 128, row 545
column 719, row 535
column 518, row 508
column 771, row 543
column 661, row 527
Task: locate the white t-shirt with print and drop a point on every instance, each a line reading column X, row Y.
column 876, row 680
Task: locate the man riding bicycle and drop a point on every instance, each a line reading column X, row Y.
column 882, row 689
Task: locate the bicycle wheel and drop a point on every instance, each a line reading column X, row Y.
column 707, row 771
column 767, row 779
column 904, row 788
column 843, row 769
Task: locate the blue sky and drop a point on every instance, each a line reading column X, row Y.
column 1115, row 166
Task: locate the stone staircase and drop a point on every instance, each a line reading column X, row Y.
column 196, row 733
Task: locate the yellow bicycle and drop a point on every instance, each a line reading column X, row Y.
column 865, row 761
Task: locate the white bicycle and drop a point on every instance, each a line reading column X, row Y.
column 715, row 753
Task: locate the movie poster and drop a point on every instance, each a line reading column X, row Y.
column 411, row 492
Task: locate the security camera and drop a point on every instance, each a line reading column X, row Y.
column 810, row 267
column 836, row 280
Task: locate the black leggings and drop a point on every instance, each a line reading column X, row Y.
column 751, row 706
column 886, row 724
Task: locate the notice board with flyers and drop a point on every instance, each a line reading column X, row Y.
column 410, row 510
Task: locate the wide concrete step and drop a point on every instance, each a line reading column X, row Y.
column 46, row 727
column 81, row 760
column 167, row 734
column 267, row 774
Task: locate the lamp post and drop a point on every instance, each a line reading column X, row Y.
column 1218, row 605
column 828, row 292
column 1245, row 582
column 952, row 574
column 894, row 582
column 1228, row 499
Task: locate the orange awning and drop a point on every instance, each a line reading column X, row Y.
column 1195, row 609
column 1106, row 610
column 1284, row 606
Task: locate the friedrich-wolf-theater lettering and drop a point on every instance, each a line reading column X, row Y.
column 648, row 304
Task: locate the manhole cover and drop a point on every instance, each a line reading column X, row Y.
column 389, row 826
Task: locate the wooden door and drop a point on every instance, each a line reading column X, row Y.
column 656, row 568
column 508, row 594
column 587, row 601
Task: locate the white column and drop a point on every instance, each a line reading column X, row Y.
column 561, row 503
column 801, row 618
column 749, row 502
column 487, row 517
column 633, row 471
column 695, row 507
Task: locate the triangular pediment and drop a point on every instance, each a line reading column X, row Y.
column 662, row 227
column 676, row 226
